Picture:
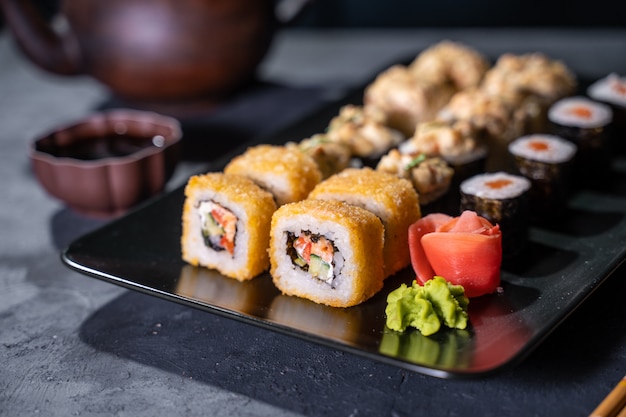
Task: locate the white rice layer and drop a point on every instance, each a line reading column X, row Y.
column 294, row 280
column 610, row 89
column 550, row 149
column 495, row 186
column 207, row 256
column 580, row 112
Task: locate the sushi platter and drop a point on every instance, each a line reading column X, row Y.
column 561, row 264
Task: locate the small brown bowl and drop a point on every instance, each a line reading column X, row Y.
column 109, row 161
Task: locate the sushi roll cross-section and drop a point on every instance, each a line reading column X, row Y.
column 225, row 225
column 329, row 252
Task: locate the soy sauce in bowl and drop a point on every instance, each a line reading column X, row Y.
column 107, row 162
column 101, row 147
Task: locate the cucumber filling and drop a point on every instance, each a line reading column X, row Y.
column 314, row 254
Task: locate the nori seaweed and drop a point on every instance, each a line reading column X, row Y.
column 511, row 214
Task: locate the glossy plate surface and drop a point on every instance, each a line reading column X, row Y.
column 561, row 266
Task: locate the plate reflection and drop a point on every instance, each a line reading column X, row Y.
column 209, row 287
column 450, row 348
column 344, row 324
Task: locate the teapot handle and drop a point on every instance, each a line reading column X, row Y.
column 287, row 11
column 50, row 50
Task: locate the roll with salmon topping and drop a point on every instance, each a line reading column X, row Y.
column 284, row 171
column 225, row 225
column 329, row 252
column 392, row 199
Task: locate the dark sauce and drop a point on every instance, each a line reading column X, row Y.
column 100, row 147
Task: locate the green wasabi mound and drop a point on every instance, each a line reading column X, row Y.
column 427, row 307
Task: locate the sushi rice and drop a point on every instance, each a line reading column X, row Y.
column 357, row 264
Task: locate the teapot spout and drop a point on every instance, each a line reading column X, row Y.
column 43, row 45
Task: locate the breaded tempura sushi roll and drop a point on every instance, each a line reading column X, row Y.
column 392, row 199
column 284, row 171
column 329, row 252
column 225, row 225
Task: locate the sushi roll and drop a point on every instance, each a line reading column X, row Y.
column 586, row 123
column 502, row 199
column 392, row 199
column 452, row 63
column 331, row 157
column 531, row 74
column 329, row 252
column 458, row 144
column 547, row 161
column 529, row 83
column 431, row 176
column 284, row 171
column 611, row 90
column 405, row 99
column 488, row 119
column 225, row 225
column 363, row 132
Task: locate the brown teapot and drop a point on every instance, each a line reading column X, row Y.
column 169, row 52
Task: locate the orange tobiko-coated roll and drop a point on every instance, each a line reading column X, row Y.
column 465, row 250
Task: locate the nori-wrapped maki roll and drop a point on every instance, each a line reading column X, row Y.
column 587, row 124
column 611, row 90
column 547, row 161
column 501, row 198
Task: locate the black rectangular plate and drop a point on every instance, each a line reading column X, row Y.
column 559, row 269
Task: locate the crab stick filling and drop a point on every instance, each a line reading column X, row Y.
column 313, row 253
column 219, row 226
